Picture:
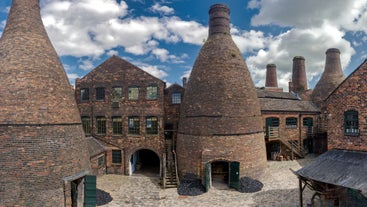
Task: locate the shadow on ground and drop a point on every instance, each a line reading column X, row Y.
column 103, row 197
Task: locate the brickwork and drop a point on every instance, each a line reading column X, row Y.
column 36, row 159
column 271, row 76
column 350, row 95
column 213, row 113
column 42, row 140
column 172, row 107
column 116, row 72
column 331, row 77
column 299, row 79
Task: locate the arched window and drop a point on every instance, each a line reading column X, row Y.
column 351, row 122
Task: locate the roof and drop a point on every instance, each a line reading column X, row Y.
column 339, row 167
column 95, row 147
column 281, row 101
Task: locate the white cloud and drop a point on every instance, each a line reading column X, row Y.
column 153, row 70
column 164, row 10
column 86, row 65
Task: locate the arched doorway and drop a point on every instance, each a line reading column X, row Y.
column 145, row 162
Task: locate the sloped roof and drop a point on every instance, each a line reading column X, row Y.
column 281, row 101
column 339, row 167
column 95, row 147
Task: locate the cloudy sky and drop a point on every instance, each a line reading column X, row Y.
column 164, row 37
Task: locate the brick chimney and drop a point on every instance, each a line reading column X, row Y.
column 184, row 82
column 214, row 124
column 332, row 76
column 299, row 79
column 271, row 76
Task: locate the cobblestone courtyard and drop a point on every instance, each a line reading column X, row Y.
column 280, row 190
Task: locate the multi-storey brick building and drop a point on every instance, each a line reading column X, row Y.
column 123, row 107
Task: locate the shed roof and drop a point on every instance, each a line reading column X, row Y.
column 339, row 167
column 95, row 147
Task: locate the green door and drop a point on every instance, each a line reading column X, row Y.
column 90, row 191
column 234, row 175
column 208, row 172
column 74, row 193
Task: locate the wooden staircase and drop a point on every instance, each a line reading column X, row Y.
column 273, row 134
column 170, row 176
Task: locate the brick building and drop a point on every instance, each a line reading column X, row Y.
column 123, row 107
column 44, row 159
column 338, row 176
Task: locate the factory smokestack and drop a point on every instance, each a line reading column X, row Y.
column 271, row 76
column 299, row 80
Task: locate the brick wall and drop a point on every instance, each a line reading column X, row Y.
column 116, row 72
column 350, row 95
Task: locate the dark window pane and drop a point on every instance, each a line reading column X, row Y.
column 100, row 94
column 291, row 122
column 116, row 156
column 101, row 125
column 86, row 125
column 116, row 125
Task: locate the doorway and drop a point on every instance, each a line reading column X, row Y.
column 145, row 162
column 222, row 175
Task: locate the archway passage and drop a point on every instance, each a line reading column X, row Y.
column 145, row 162
column 220, row 174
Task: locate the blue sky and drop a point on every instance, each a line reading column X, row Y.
column 163, row 37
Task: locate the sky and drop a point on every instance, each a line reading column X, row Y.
column 163, row 37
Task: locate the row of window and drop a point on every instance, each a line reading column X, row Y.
column 290, row 122
column 151, row 125
column 116, row 93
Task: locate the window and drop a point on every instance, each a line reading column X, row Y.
column 351, row 122
column 116, row 157
column 100, row 161
column 291, row 122
column 134, row 125
column 307, row 122
column 116, row 125
column 116, row 94
column 176, row 98
column 100, row 94
column 101, row 125
column 152, row 125
column 152, row 92
column 86, row 124
column 133, row 93
column 84, row 94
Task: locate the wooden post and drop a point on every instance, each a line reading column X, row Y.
column 300, row 192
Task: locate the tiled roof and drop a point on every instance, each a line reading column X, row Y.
column 281, row 101
column 339, row 167
column 95, row 147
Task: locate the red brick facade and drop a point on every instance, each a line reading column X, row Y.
column 351, row 95
column 117, row 73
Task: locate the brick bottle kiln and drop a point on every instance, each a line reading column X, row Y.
column 220, row 130
column 43, row 147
